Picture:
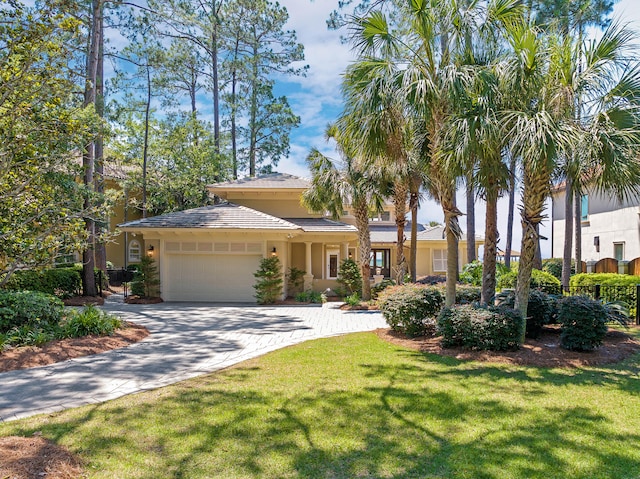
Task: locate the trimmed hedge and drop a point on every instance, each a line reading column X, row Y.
column 615, row 287
column 411, row 309
column 61, row 282
column 583, row 323
column 28, row 308
column 539, row 280
column 487, row 328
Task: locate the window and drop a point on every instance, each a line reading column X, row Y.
column 618, row 251
column 584, row 208
column 439, row 260
column 380, row 262
column 134, row 251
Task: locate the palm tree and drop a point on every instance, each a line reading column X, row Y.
column 544, row 131
column 335, row 184
column 382, row 129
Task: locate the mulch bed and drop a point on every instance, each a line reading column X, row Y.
column 35, row 457
column 139, row 300
column 542, row 352
column 62, row 349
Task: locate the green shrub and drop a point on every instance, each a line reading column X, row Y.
column 554, row 266
column 145, row 278
column 539, row 280
column 381, row 286
column 583, row 323
column 295, row 280
column 61, row 282
column 28, row 308
column 310, row 297
column 472, row 273
column 269, row 280
column 90, row 320
column 411, row 309
column 541, row 309
column 350, row 277
column 352, row 299
column 492, row 328
column 466, row 294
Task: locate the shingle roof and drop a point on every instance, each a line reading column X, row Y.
column 222, row 216
column 389, row 233
column 322, row 225
column 273, row 180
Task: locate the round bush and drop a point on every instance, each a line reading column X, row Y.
column 583, row 323
column 28, row 308
column 488, row 328
column 541, row 310
column 472, row 273
column 411, row 309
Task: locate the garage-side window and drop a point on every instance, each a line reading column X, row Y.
column 134, row 251
column 439, row 260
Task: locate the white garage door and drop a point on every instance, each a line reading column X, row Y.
column 223, row 278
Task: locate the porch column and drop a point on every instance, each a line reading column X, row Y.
column 344, row 252
column 308, row 276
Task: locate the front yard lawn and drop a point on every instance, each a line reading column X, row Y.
column 355, row 406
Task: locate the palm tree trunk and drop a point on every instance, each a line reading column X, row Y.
column 568, row 235
column 510, row 218
column 490, row 247
column 400, row 202
column 452, row 229
column 536, row 185
column 471, row 219
column 578, row 231
column 413, row 207
column 364, row 246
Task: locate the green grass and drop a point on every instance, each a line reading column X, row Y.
column 354, row 406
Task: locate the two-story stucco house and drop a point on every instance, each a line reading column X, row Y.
column 210, row 253
column 610, row 229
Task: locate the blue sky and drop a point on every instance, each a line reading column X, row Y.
column 317, row 100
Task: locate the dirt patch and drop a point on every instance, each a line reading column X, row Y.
column 63, row 349
column 542, row 352
column 34, row 457
column 139, row 300
column 83, row 301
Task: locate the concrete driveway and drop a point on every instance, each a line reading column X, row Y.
column 186, row 340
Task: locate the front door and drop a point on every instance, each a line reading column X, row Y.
column 380, row 262
column 333, row 257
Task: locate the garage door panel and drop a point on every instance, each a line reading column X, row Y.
column 219, row 278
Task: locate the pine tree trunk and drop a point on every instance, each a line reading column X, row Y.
column 88, row 158
column 101, row 227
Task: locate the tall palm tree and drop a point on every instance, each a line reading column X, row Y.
column 544, row 131
column 335, row 184
column 382, row 129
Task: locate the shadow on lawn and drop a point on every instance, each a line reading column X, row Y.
column 407, row 421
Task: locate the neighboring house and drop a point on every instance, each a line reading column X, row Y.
column 610, row 229
column 211, row 253
column 123, row 248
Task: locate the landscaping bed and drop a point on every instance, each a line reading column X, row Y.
column 542, row 352
column 62, row 349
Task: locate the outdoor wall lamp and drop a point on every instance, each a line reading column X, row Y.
column 150, row 250
column 274, row 252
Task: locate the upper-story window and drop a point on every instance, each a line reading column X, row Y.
column 134, row 251
column 584, row 208
column 384, row 216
